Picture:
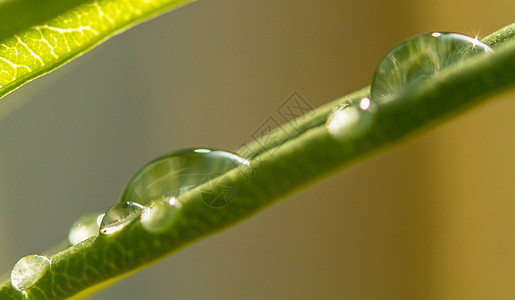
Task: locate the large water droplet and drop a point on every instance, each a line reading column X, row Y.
column 28, row 270
column 119, row 216
column 350, row 120
column 160, row 215
column 84, row 228
column 177, row 172
column 420, row 58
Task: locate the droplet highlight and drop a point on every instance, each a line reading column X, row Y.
column 160, row 215
column 84, row 228
column 420, row 58
column 120, row 216
column 350, row 120
column 29, row 270
column 178, row 172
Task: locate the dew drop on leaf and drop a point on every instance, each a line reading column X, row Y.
column 420, row 58
column 350, row 120
column 120, row 216
column 28, row 270
column 160, row 214
column 178, row 172
column 84, row 228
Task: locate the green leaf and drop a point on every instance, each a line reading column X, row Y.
column 286, row 160
column 39, row 36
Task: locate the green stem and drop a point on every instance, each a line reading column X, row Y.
column 283, row 161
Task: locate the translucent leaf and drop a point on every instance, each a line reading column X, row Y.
column 39, row 36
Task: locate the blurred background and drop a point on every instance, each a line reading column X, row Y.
column 431, row 218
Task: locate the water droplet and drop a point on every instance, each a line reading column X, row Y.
column 119, row 216
column 177, row 172
column 84, row 228
column 160, row 215
column 350, row 120
column 28, row 270
column 420, row 58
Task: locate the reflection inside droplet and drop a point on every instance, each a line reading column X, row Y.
column 160, row 215
column 364, row 104
column 420, row 58
column 173, row 201
column 178, row 172
column 84, row 228
column 202, row 150
column 350, row 120
column 29, row 270
column 119, row 216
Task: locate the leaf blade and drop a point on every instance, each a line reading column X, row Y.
column 33, row 47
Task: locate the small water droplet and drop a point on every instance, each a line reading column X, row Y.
column 84, row 228
column 178, row 172
column 160, row 215
column 119, row 216
column 350, row 120
column 29, row 270
column 420, row 58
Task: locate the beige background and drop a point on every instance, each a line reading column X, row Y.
column 432, row 218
